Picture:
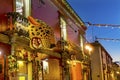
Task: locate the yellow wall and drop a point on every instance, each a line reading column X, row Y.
column 54, row 70
column 30, row 71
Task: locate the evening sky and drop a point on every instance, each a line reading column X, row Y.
column 101, row 12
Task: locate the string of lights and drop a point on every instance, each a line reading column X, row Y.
column 108, row 39
column 103, row 25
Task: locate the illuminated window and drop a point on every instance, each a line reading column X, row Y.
column 22, row 66
column 22, row 78
column 45, row 67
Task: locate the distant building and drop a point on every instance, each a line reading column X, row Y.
column 101, row 63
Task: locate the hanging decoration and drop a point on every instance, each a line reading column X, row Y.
column 37, row 69
column 24, row 55
column 104, row 25
column 12, row 62
column 12, row 65
column 108, row 39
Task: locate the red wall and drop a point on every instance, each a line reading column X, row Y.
column 5, row 7
column 5, row 48
column 73, row 34
column 48, row 13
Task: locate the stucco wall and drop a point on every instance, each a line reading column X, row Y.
column 96, row 65
column 54, row 70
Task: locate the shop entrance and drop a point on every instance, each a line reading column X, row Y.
column 22, row 73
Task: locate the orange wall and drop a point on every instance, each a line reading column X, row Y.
column 76, row 71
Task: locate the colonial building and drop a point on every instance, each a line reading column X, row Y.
column 45, row 40
column 101, row 63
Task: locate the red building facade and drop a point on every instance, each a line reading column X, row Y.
column 58, row 61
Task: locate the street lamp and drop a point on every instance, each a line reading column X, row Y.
column 89, row 48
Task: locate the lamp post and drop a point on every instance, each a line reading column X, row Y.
column 89, row 49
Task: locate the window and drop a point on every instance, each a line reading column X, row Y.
column 23, row 7
column 63, row 29
column 45, row 67
column 20, row 6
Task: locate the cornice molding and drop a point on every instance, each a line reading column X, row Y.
column 65, row 8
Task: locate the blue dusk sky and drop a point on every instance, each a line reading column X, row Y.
column 101, row 12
